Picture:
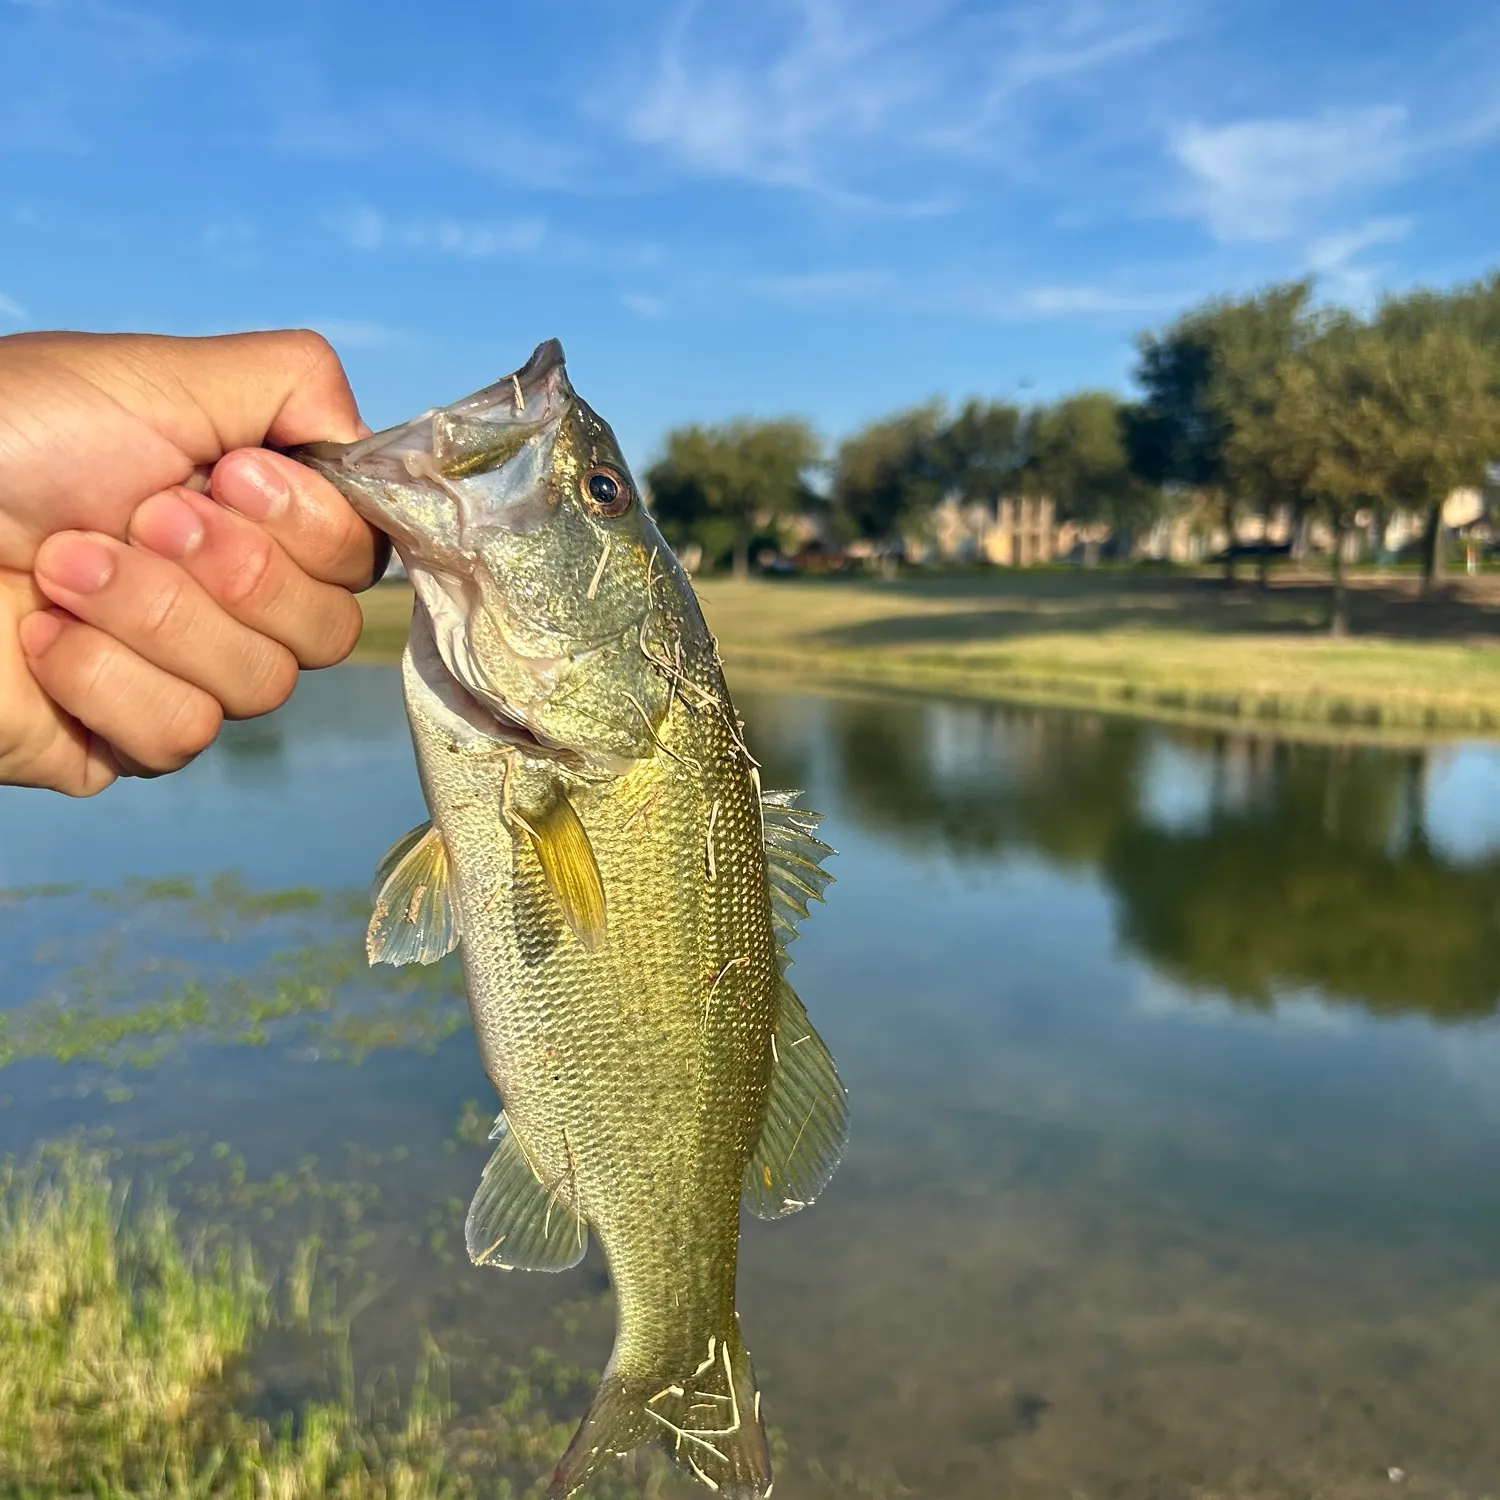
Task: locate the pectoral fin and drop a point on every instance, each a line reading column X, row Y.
column 415, row 921
column 567, row 858
column 518, row 1222
column 806, row 1122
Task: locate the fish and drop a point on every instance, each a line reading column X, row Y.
column 622, row 892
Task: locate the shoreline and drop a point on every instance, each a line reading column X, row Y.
column 1174, row 649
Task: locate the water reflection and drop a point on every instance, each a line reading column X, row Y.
column 1250, row 867
column 1171, row 1056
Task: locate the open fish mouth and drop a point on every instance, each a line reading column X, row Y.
column 506, row 424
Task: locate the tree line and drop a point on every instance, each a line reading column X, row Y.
column 1270, row 404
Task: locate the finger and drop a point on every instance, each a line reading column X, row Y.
column 248, row 574
column 208, row 395
column 158, row 613
column 156, row 722
column 307, row 515
column 40, row 745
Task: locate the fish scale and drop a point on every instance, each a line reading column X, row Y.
column 621, row 891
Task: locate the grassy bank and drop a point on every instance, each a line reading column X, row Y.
column 1163, row 645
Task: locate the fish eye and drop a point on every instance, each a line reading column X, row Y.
column 606, row 491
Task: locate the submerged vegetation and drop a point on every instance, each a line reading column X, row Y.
column 129, row 1366
column 113, row 999
column 121, row 1361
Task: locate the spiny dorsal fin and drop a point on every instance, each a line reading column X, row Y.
column 794, row 864
column 806, row 1123
column 516, row 1221
column 562, row 845
column 415, row 921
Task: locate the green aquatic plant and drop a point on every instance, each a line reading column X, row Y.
column 110, row 1329
column 125, row 1351
column 120, row 1013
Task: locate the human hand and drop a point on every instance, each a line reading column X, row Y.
column 136, row 612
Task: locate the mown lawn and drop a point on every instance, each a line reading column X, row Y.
column 1163, row 644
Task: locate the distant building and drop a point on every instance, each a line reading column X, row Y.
column 1014, row 532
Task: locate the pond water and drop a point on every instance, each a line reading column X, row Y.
column 1173, row 1060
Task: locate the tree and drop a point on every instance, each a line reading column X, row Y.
column 1201, row 378
column 890, row 474
column 978, row 454
column 1440, row 393
column 720, row 486
column 1319, row 438
column 1079, row 458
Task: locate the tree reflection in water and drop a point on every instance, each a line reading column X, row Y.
column 1304, row 867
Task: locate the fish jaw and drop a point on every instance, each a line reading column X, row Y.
column 407, row 480
column 537, row 603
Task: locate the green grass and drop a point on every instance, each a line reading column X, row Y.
column 1158, row 643
column 123, row 1370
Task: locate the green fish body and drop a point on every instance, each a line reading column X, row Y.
column 622, row 892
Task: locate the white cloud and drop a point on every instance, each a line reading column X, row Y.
column 825, row 94
column 364, row 228
column 643, row 305
column 1258, row 181
column 1332, row 258
column 827, row 286
column 354, row 333
column 1009, row 304
column 82, row 61
column 1082, row 300
column 11, row 311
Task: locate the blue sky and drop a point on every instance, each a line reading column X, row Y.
column 832, row 207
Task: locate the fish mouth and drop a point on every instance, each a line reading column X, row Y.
column 446, row 444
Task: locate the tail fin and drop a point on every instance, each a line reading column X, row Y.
column 708, row 1418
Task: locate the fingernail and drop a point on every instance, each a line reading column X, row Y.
column 38, row 632
column 168, row 526
column 253, row 488
column 77, row 563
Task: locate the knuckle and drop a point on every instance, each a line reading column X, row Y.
column 252, row 579
column 337, row 639
column 270, row 679
column 280, row 680
column 162, row 617
column 189, row 728
column 314, row 350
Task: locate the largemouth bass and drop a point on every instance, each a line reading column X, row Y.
column 622, row 892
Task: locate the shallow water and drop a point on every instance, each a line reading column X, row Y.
column 1173, row 1059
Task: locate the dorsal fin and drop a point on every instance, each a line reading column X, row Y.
column 415, row 920
column 806, row 1122
column 794, row 864
column 518, row 1222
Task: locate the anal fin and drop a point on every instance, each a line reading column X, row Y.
column 806, row 1123
column 414, row 921
column 516, row 1221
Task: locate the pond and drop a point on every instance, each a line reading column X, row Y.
column 1173, row 1061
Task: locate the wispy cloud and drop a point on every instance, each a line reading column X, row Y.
column 1001, row 303
column 84, row 59
column 827, row 286
column 365, row 228
column 310, row 118
column 11, row 311
column 354, row 333
column 1059, row 302
column 643, row 304
column 1332, row 258
column 1259, row 181
column 1086, row 300
column 831, row 95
